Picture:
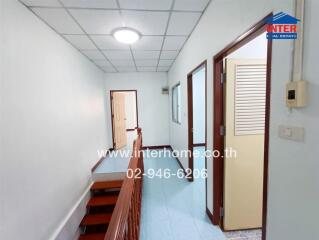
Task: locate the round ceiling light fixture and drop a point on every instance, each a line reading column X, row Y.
column 126, row 35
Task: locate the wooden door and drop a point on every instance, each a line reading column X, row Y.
column 245, row 96
column 119, row 121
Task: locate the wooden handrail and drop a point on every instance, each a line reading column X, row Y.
column 125, row 221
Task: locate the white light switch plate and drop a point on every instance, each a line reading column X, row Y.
column 291, row 133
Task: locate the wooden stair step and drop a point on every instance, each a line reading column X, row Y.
column 107, row 185
column 96, row 219
column 92, row 236
column 102, row 201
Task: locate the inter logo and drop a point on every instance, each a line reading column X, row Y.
column 282, row 26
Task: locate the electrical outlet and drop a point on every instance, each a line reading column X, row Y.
column 291, row 133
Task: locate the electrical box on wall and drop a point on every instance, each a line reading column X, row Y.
column 165, row 90
column 296, row 94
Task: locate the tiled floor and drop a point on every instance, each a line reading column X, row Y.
column 174, row 209
column 244, row 235
column 119, row 163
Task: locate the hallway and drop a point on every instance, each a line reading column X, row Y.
column 233, row 76
column 173, row 208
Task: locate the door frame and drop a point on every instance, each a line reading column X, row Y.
column 191, row 145
column 218, row 120
column 111, row 106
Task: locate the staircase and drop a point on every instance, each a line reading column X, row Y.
column 99, row 209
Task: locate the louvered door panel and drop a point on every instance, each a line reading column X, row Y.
column 250, row 99
column 244, row 106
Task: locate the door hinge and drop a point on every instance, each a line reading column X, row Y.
column 222, row 77
column 221, row 212
column 222, row 130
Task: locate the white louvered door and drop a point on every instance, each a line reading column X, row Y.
column 244, row 122
column 250, row 98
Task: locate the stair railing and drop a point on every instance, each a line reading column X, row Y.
column 125, row 221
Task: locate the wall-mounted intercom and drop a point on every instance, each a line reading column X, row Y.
column 296, row 94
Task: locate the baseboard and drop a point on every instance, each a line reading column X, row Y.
column 156, row 147
column 101, row 159
column 130, row 129
column 180, row 163
column 210, row 215
column 171, row 149
column 199, row 144
column 69, row 226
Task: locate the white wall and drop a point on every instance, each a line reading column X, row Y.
column 199, row 106
column 293, row 167
column 52, row 123
column 151, row 103
column 1, row 122
column 255, row 49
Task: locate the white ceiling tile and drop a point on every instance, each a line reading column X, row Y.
column 146, row 4
column 148, row 43
column 162, row 69
column 103, row 63
column 165, row 63
column 174, row 42
column 145, row 22
column 81, row 42
column 122, row 63
column 93, row 54
column 126, row 69
column 182, row 23
column 90, row 3
column 109, row 43
column 118, row 54
column 146, row 69
column 42, row 3
column 58, row 19
column 169, row 54
column 109, row 69
column 146, row 54
column 97, row 21
column 190, row 5
column 146, row 63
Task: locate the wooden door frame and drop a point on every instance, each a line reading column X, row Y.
column 218, row 111
column 111, row 105
column 191, row 145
